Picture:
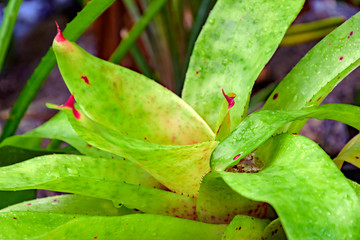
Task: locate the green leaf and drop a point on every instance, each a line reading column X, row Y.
column 59, row 128
column 121, row 99
column 350, row 153
column 33, row 225
column 7, row 26
column 70, row 204
column 234, row 45
column 218, row 203
column 245, row 228
column 274, row 231
column 179, row 168
column 260, row 125
column 356, row 186
column 10, row 198
column 73, row 31
column 317, row 74
column 311, row 196
column 16, row 149
column 110, row 179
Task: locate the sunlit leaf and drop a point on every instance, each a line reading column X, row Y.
column 317, row 74
column 37, row 225
column 311, row 196
column 70, row 204
column 179, row 168
column 236, row 42
column 126, row 101
column 110, row 179
column 259, row 126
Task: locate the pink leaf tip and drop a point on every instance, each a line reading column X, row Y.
column 59, row 36
column 70, row 103
column 229, row 99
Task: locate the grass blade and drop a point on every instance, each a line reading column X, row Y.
column 7, row 25
column 135, row 32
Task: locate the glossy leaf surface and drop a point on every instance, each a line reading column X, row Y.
column 236, row 42
column 110, row 179
column 322, row 68
column 59, row 128
column 259, row 126
column 70, row 204
column 35, row 225
column 179, row 168
column 126, row 101
column 310, row 205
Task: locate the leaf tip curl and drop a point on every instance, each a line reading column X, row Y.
column 229, row 98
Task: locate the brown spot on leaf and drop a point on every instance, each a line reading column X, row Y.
column 275, row 96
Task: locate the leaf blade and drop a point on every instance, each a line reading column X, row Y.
column 158, row 114
column 289, row 184
column 228, row 64
column 110, row 179
column 259, row 126
column 318, row 73
column 134, row 226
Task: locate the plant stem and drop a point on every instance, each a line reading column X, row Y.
column 73, row 31
column 7, row 26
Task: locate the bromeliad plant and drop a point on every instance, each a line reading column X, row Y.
column 151, row 165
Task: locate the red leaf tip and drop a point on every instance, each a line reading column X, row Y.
column 229, row 98
column 59, row 36
column 70, row 103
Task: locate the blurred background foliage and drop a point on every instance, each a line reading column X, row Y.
column 154, row 37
